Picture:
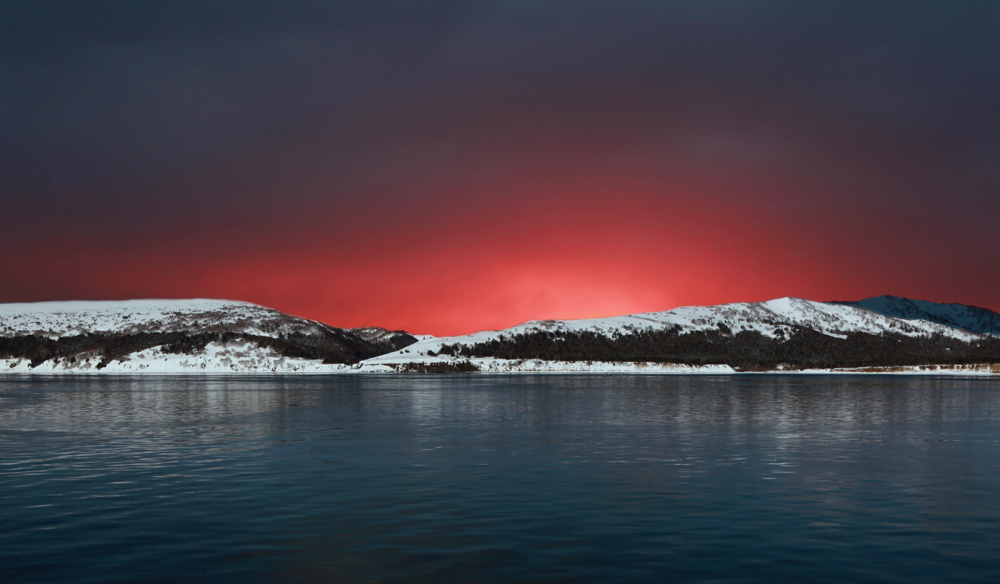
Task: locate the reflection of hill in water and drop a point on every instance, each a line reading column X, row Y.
column 60, row 404
column 154, row 407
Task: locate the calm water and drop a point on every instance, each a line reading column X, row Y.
column 500, row 479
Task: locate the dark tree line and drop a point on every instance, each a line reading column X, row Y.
column 746, row 350
column 438, row 367
column 333, row 346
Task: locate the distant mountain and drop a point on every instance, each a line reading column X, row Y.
column 968, row 318
column 177, row 336
column 781, row 334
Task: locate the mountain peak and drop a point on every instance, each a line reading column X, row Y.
column 969, row 318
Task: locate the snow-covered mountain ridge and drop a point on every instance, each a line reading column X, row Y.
column 170, row 336
column 968, row 318
column 177, row 335
column 765, row 331
column 834, row 319
column 61, row 319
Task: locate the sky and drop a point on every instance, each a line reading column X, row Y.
column 446, row 167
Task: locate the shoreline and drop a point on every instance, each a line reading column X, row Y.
column 20, row 367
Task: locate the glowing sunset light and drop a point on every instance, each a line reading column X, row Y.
column 488, row 173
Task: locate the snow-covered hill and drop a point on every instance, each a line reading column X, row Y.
column 176, row 336
column 771, row 325
column 220, row 336
column 967, row 318
column 60, row 319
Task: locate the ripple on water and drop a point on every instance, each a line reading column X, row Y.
column 498, row 479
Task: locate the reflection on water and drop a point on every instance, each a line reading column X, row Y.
column 497, row 479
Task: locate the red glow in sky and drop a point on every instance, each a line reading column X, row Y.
column 496, row 262
column 468, row 166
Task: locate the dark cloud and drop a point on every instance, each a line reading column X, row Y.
column 128, row 118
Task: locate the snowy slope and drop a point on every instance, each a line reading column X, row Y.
column 969, row 318
column 171, row 336
column 786, row 334
column 220, row 336
column 239, row 357
column 767, row 318
column 60, row 319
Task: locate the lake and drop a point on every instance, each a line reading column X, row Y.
column 558, row 478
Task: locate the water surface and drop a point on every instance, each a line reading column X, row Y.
column 500, row 479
